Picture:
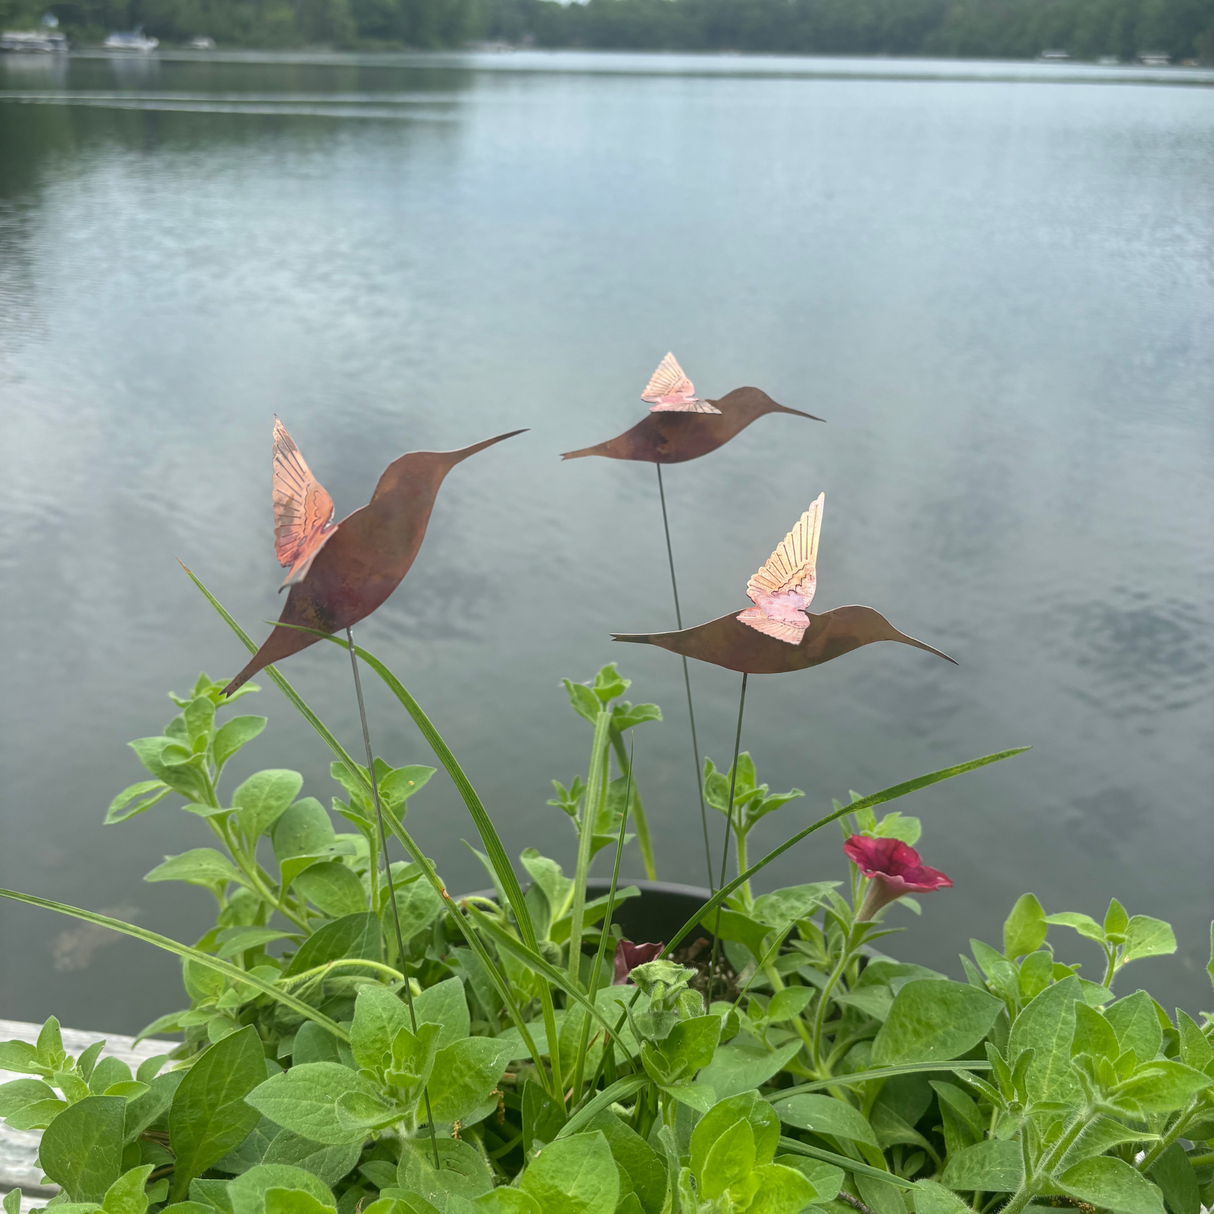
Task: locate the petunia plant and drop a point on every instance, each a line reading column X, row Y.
column 551, row 1066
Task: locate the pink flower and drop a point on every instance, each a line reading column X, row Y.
column 628, row 956
column 894, row 868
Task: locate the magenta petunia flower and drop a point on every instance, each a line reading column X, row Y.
column 894, row 869
column 628, row 956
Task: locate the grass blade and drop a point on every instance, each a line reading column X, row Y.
column 620, row 1090
column 184, row 950
column 885, row 1072
column 842, row 1161
column 877, row 798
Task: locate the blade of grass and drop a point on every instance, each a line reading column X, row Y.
column 884, row 1072
column 620, row 1090
column 184, row 950
column 336, row 747
column 484, row 825
column 877, row 798
column 842, row 1161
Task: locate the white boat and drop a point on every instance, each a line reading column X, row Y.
column 1154, row 58
column 132, row 40
column 201, row 43
column 33, row 42
column 1053, row 56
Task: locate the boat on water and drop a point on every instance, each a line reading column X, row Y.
column 201, row 43
column 131, row 40
column 32, row 42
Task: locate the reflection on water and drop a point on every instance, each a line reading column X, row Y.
column 993, row 283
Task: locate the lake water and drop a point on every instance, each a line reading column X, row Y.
column 995, row 282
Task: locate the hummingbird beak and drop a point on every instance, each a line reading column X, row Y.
column 464, row 452
column 797, row 413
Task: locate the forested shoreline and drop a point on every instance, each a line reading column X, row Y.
column 994, row 29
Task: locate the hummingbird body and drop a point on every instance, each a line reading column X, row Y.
column 729, row 642
column 365, row 558
column 674, row 438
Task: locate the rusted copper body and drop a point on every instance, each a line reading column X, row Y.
column 366, row 557
column 730, row 643
column 674, row 438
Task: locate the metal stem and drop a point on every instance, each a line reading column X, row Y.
column 733, row 780
column 383, row 839
column 691, row 712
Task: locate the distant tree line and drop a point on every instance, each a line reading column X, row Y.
column 996, row 29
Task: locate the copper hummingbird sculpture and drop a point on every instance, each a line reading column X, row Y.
column 680, row 426
column 339, row 573
column 779, row 633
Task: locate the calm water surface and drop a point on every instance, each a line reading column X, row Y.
column 994, row 282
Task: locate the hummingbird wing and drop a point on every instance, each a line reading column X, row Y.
column 670, row 391
column 303, row 511
column 784, row 587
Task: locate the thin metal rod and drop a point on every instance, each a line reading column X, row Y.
column 733, row 781
column 383, row 838
column 691, row 712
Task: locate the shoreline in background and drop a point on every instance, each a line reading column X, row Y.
column 693, row 63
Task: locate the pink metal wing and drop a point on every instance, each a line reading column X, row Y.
column 784, row 587
column 670, row 391
column 303, row 511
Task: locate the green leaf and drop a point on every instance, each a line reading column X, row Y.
column 934, row 1019
column 379, row 1015
column 302, row 834
column 327, row 1162
column 12, row 1202
column 1047, row 1026
column 295, row 1201
column 22, row 1092
column 199, row 866
column 1113, row 1185
column 1174, row 1175
column 1134, row 1021
column 262, row 799
column 746, row 1106
column 446, row 1005
column 1147, row 937
column 399, row 784
column 248, row 1191
column 826, row 1115
column 1094, row 1034
column 333, row 888
column 209, row 1116
column 351, row 936
column 730, row 1158
column 235, row 940
column 1101, row 1135
column 1085, row 925
column 135, row 799
column 826, row 1179
column 933, row 1198
column 502, row 1201
column 780, row 1190
column 574, row 1175
column 229, row 738
column 737, row 1068
column 993, row 1166
column 126, row 1195
column 36, row 1116
column 638, row 1160
column 462, row 1170
column 465, row 1073
column 1195, row 1049
column 1163, row 1086
column 689, row 1046
column 81, row 1149
column 583, row 701
column 417, row 906
column 304, row 1100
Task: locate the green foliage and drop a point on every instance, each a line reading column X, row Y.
column 317, row 1058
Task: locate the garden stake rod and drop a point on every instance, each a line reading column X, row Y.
column 733, row 780
column 383, row 839
column 691, row 712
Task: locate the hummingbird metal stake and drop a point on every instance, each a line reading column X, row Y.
column 681, row 426
column 776, row 635
column 338, row 573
